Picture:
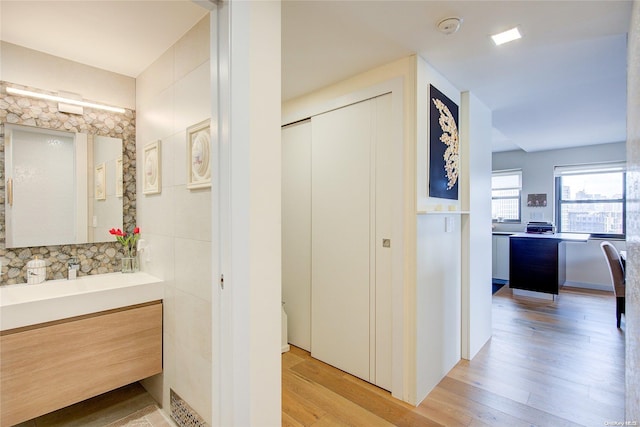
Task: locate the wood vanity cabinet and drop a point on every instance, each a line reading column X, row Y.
column 49, row 366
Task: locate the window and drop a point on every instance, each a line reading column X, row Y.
column 591, row 199
column 506, row 187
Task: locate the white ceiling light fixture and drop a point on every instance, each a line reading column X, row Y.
column 506, row 36
column 449, row 25
column 16, row 91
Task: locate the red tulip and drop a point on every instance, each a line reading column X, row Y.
column 128, row 241
column 116, row 232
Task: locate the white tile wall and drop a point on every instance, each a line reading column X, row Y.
column 193, row 213
column 193, row 267
column 179, row 158
column 172, row 94
column 193, row 325
column 192, row 49
column 192, row 104
column 156, row 78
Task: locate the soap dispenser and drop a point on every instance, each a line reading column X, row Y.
column 73, row 266
column 36, row 271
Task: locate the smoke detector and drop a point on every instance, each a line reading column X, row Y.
column 449, row 25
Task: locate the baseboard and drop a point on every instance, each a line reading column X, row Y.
column 594, row 286
column 285, row 348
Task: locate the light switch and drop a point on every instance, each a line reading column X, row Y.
column 536, row 216
column 448, row 224
column 95, row 221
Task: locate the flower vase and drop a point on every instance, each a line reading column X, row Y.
column 129, row 264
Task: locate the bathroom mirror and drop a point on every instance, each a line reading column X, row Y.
column 61, row 187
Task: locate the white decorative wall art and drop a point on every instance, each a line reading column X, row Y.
column 99, row 191
column 119, row 183
column 151, row 179
column 198, row 155
column 444, row 151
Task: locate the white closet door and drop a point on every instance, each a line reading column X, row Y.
column 296, row 231
column 341, row 151
column 381, row 316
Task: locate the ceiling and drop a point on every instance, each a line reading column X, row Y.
column 562, row 85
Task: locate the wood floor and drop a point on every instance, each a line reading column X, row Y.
column 548, row 364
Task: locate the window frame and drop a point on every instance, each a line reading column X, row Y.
column 504, row 173
column 591, row 170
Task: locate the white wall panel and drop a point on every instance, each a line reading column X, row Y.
column 296, row 232
column 438, row 297
column 341, row 144
column 40, row 70
column 383, row 136
column 475, row 180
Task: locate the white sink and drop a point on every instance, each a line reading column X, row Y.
column 24, row 305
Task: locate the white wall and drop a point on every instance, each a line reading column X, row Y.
column 173, row 94
column 25, row 66
column 585, row 263
column 296, row 231
column 254, row 214
column 475, row 186
column 438, row 259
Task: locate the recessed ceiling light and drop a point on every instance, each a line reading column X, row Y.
column 506, row 36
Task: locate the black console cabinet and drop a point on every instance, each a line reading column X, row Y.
column 538, row 262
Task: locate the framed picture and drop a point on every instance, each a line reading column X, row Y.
column 198, row 155
column 100, row 191
column 119, row 183
column 151, row 178
column 537, row 200
column 444, row 147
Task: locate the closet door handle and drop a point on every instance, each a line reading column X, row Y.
column 10, row 191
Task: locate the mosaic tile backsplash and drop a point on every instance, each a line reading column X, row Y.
column 94, row 258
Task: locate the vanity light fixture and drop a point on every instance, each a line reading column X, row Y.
column 15, row 91
column 506, row 36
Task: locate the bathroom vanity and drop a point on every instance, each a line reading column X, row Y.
column 62, row 342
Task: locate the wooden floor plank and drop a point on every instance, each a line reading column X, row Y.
column 549, row 363
column 504, row 411
column 385, row 408
column 300, row 409
column 336, row 405
column 477, row 411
